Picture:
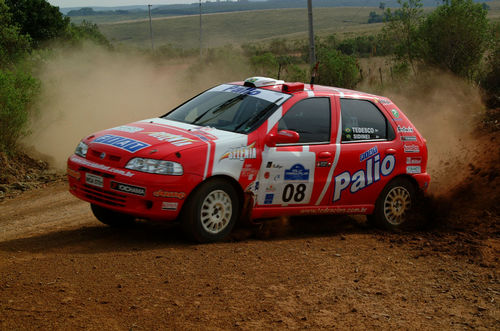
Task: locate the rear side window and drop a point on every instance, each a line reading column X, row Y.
column 362, row 120
column 310, row 118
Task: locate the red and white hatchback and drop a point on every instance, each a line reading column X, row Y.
column 259, row 148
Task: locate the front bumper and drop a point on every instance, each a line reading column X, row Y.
column 143, row 195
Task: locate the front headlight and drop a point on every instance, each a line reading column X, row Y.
column 81, row 149
column 155, row 166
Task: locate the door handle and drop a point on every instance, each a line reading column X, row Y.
column 324, row 155
column 390, row 151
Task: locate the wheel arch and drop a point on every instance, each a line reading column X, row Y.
column 412, row 180
column 234, row 183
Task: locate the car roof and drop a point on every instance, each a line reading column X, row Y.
column 334, row 91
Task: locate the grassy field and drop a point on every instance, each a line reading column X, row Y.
column 241, row 27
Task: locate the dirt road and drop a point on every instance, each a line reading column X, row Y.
column 62, row 269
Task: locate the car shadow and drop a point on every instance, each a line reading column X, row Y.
column 145, row 236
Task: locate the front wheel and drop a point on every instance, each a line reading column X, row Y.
column 394, row 205
column 211, row 211
column 111, row 217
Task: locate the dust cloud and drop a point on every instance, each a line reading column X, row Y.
column 89, row 88
column 446, row 111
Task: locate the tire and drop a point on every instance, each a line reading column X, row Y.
column 394, row 205
column 111, row 217
column 211, row 211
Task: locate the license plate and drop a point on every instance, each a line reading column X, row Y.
column 93, row 180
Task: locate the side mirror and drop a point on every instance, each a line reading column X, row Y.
column 282, row 137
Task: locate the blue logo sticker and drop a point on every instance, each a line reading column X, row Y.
column 269, row 199
column 297, row 172
column 130, row 145
column 369, row 153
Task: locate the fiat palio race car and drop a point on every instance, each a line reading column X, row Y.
column 260, row 148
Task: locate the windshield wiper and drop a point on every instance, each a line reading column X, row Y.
column 218, row 108
column 252, row 120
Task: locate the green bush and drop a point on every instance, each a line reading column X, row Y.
column 456, row 37
column 86, row 31
column 17, row 91
column 337, row 69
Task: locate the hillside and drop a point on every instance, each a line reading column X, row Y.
column 230, row 28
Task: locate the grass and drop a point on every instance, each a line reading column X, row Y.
column 241, row 27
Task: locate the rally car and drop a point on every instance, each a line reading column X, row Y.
column 255, row 149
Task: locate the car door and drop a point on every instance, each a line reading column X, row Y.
column 367, row 153
column 295, row 174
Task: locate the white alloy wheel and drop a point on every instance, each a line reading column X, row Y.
column 216, row 211
column 397, row 202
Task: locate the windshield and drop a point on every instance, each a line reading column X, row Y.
column 229, row 107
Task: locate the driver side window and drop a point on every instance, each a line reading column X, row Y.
column 310, row 118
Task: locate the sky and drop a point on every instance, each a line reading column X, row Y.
column 113, row 3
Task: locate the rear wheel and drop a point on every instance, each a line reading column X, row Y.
column 111, row 217
column 211, row 211
column 394, row 205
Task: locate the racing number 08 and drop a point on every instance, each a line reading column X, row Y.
column 297, row 193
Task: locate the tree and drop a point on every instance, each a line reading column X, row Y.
column 337, row 69
column 39, row 19
column 87, row 31
column 456, row 37
column 13, row 44
column 402, row 29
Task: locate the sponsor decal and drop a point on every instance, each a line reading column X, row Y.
column 249, row 172
column 385, row 101
column 364, row 130
column 323, row 164
column 101, row 167
column 73, row 173
column 361, row 136
column 405, row 129
column 167, row 194
column 297, row 172
column 413, row 170
column 269, row 164
column 411, row 149
column 276, row 177
column 174, row 139
column 126, row 188
column 269, row 199
column 395, row 113
column 127, row 144
column 271, row 188
column 364, row 177
column 242, row 90
column 240, row 153
column 202, row 137
column 169, row 205
column 266, row 175
column 353, row 210
column 128, row 128
column 413, row 160
column 408, row 138
column 369, row 153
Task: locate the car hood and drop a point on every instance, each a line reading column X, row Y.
column 153, row 138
